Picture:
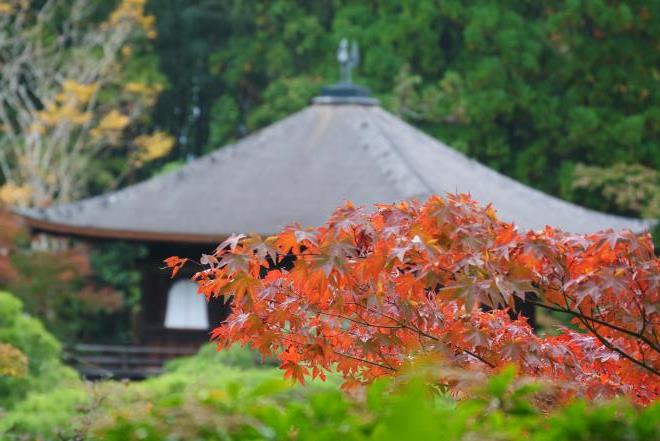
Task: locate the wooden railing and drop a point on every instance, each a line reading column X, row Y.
column 121, row 362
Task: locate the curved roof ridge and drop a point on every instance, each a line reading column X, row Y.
column 385, row 153
column 386, row 119
column 300, row 169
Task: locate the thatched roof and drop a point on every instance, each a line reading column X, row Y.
column 299, row 170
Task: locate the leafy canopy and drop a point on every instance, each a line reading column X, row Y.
column 373, row 290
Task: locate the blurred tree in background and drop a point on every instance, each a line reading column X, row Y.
column 77, row 82
column 531, row 89
column 632, row 189
column 80, row 294
column 74, row 87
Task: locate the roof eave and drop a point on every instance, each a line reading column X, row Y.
column 86, row 232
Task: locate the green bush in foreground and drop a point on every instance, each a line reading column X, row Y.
column 231, row 396
column 42, row 350
column 257, row 404
column 44, row 396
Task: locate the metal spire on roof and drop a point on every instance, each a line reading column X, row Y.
column 348, row 59
column 345, row 92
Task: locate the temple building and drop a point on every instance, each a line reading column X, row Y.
column 343, row 146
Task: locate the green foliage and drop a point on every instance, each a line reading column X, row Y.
column 282, row 98
column 50, row 414
column 610, row 421
column 209, row 357
column 45, row 402
column 628, row 189
column 631, row 189
column 258, row 405
column 40, row 347
column 201, row 397
column 111, row 260
column 232, row 395
column 534, row 85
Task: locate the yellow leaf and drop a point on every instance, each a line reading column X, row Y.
column 13, row 363
column 55, row 114
column 82, row 92
column 132, row 11
column 12, row 194
column 143, row 89
column 113, row 121
column 6, row 8
column 153, row 146
column 127, row 51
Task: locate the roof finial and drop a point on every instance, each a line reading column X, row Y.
column 348, row 59
column 345, row 92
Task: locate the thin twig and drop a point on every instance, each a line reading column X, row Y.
column 609, row 345
column 373, row 363
column 596, row 320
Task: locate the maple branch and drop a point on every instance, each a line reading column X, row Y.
column 382, row 357
column 610, row 346
column 605, row 342
column 427, row 335
column 373, row 363
column 478, row 357
column 596, row 320
column 363, row 323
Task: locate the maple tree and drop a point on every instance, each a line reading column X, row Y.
column 375, row 289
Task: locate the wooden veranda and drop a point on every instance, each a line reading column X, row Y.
column 97, row 362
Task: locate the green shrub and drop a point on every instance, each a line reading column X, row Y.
column 46, row 415
column 46, row 397
column 231, row 403
column 231, row 395
column 209, row 357
column 200, row 397
column 42, row 350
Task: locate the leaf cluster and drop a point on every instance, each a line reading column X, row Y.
column 373, row 290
